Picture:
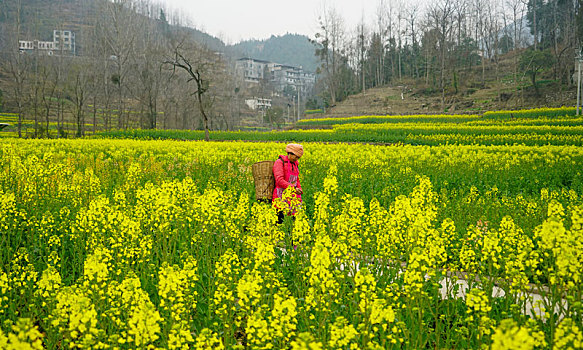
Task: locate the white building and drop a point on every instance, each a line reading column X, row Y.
column 63, row 43
column 259, row 104
column 64, row 40
column 43, row 46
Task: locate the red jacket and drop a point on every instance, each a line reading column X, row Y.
column 286, row 174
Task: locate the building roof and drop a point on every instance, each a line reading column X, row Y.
column 252, row 59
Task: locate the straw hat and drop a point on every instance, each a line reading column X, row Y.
column 295, row 148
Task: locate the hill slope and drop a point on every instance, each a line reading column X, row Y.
column 388, row 100
column 39, row 18
column 291, row 49
column 416, row 97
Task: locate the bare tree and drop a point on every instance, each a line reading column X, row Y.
column 195, row 62
column 18, row 65
column 331, row 40
column 440, row 15
column 118, row 29
column 412, row 13
column 533, row 5
column 149, row 75
column 492, row 34
column 461, row 45
column 480, row 14
column 78, row 86
column 34, row 92
column 362, row 43
column 383, row 33
column 517, row 9
column 401, row 14
column 49, row 83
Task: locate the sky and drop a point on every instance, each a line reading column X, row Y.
column 236, row 20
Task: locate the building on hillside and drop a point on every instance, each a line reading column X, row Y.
column 251, row 70
column 63, row 43
column 64, row 40
column 258, row 104
column 42, row 46
column 282, row 77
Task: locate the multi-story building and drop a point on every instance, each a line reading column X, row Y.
column 63, row 43
column 278, row 75
column 282, row 75
column 64, row 40
column 252, row 71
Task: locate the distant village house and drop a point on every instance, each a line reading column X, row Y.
column 63, row 43
column 260, row 104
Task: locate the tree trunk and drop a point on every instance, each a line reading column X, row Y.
column 534, row 23
column 94, row 114
column 533, row 78
column 205, row 119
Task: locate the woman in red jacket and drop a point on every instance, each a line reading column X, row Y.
column 286, row 173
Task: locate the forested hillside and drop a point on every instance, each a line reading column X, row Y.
column 292, row 49
column 39, row 18
column 452, row 47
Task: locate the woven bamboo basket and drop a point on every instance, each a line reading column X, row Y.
column 264, row 180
